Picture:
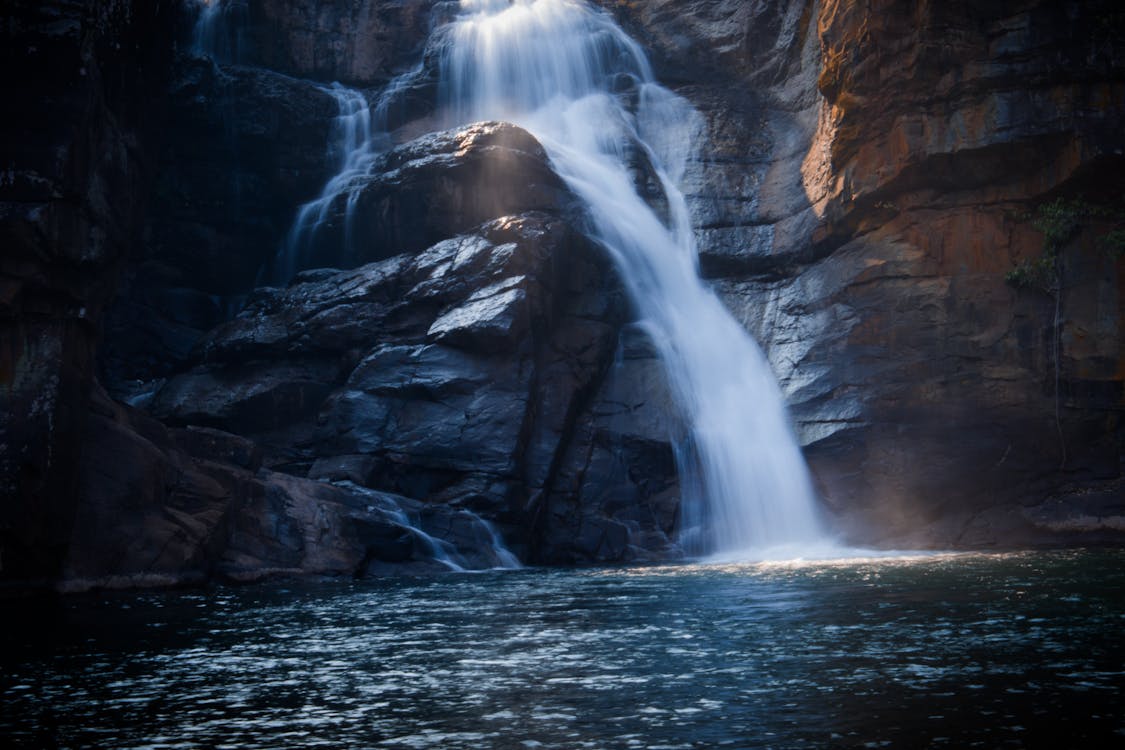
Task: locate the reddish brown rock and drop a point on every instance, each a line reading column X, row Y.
column 357, row 43
column 878, row 163
column 864, row 189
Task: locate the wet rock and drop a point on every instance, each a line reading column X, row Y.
column 858, row 204
column 254, row 397
column 337, row 41
column 84, row 87
column 424, row 373
column 491, row 319
column 615, row 495
column 428, row 190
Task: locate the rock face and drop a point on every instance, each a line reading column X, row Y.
column 872, row 189
column 451, row 354
column 179, row 506
column 76, row 133
column 1008, row 104
column 363, row 43
column 241, row 147
column 454, row 372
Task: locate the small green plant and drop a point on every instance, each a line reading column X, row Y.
column 1113, row 243
column 1060, row 221
column 1034, row 274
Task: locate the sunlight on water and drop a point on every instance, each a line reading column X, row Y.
column 827, row 552
column 967, row 650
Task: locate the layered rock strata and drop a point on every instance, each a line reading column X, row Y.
column 872, row 173
column 869, row 186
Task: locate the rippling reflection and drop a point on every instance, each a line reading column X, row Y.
column 947, row 651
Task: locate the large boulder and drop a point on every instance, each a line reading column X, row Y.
column 460, row 366
column 430, row 189
column 456, row 375
column 166, row 507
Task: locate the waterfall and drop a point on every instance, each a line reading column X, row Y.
column 358, row 136
column 218, row 31
column 481, row 548
column 570, row 76
column 350, row 147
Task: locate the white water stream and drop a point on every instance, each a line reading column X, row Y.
column 350, row 145
column 218, row 31
column 564, row 71
column 569, row 75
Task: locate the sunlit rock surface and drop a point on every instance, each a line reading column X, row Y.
column 453, row 373
column 865, row 186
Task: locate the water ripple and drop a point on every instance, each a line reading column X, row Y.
column 946, row 651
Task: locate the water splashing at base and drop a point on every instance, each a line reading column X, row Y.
column 569, row 75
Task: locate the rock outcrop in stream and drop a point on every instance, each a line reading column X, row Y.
column 872, row 173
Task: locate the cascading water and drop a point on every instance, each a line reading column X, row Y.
column 218, row 32
column 351, row 144
column 569, row 75
column 488, row 553
column 359, row 135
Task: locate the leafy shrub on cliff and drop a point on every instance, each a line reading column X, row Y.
column 1040, row 273
column 1113, row 243
column 1060, row 221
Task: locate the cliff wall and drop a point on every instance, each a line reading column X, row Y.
column 883, row 169
column 871, row 176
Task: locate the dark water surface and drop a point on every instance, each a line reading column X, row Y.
column 1016, row 650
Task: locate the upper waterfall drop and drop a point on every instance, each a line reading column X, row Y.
column 219, row 30
column 350, row 145
column 568, row 74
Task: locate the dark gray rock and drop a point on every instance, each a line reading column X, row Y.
column 615, row 495
column 218, row 446
column 242, row 148
column 171, row 507
column 357, row 43
column 254, row 397
column 83, row 85
column 429, row 190
column 454, row 372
